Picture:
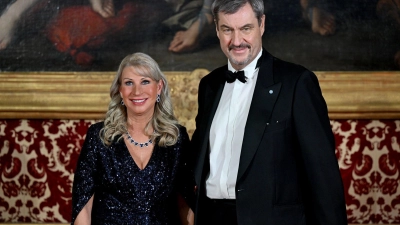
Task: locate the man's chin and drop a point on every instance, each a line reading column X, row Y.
column 241, row 59
column 239, row 62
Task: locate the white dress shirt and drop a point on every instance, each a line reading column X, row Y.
column 227, row 131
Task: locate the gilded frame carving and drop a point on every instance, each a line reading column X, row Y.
column 84, row 95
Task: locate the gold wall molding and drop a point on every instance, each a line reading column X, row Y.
column 361, row 95
column 84, row 95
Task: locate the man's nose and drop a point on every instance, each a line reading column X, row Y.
column 236, row 38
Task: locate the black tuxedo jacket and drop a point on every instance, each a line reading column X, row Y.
column 288, row 171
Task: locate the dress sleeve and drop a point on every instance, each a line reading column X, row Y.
column 84, row 178
column 185, row 176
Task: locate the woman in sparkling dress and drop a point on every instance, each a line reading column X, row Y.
column 133, row 166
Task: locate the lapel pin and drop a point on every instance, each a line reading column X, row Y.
column 271, row 91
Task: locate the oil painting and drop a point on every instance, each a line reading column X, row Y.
column 94, row 35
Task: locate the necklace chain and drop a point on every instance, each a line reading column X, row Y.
column 145, row 144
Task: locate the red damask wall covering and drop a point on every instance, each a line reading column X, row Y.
column 38, row 157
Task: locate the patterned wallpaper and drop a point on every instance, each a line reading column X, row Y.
column 38, row 157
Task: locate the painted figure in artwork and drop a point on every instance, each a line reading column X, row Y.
column 197, row 26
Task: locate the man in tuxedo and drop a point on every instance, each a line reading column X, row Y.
column 265, row 151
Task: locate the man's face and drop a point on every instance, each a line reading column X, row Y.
column 240, row 36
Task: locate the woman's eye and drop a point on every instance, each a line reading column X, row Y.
column 145, row 82
column 128, row 83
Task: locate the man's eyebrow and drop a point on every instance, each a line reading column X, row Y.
column 225, row 26
column 247, row 25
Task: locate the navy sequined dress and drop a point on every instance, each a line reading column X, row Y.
column 124, row 194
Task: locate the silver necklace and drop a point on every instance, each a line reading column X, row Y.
column 145, row 144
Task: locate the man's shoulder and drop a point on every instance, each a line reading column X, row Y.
column 284, row 70
column 215, row 74
column 286, row 66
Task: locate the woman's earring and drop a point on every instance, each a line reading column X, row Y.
column 158, row 98
column 122, row 102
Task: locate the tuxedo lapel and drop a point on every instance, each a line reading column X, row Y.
column 213, row 94
column 262, row 104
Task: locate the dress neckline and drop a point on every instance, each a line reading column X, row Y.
column 132, row 159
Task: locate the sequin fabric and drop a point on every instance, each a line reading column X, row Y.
column 124, row 194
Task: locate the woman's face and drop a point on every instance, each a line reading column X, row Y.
column 139, row 93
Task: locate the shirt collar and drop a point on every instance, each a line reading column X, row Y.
column 249, row 69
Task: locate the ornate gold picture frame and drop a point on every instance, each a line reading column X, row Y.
column 81, row 95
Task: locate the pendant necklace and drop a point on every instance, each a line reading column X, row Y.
column 145, row 144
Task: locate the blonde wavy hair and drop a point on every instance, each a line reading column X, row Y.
column 163, row 121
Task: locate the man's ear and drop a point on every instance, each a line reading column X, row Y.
column 262, row 25
column 216, row 28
